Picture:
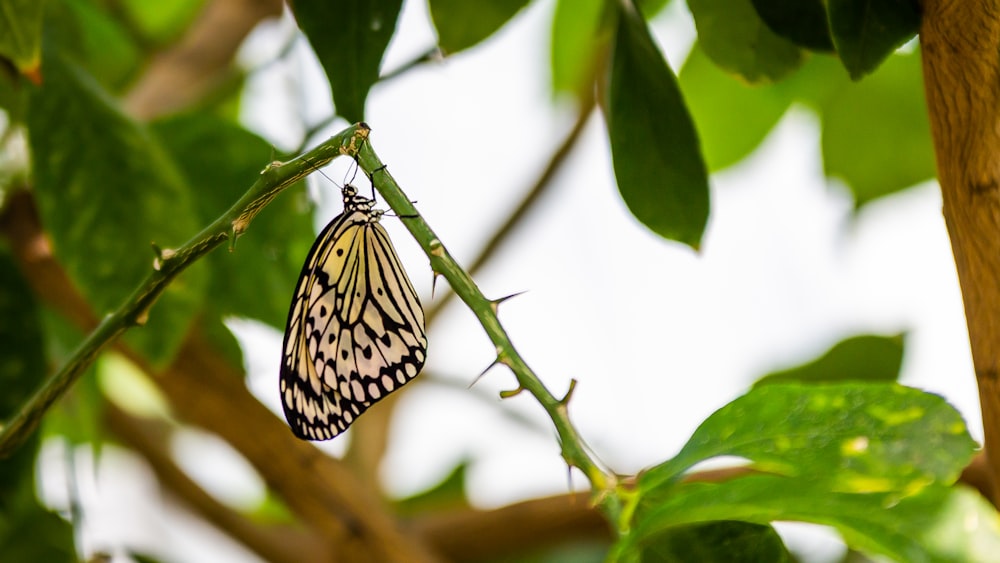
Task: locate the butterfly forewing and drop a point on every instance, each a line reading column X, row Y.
column 355, row 328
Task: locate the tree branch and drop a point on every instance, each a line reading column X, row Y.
column 276, row 543
column 182, row 75
column 959, row 41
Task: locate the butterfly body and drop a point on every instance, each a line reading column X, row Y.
column 355, row 329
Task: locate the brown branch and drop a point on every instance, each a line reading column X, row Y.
column 276, row 543
column 207, row 391
column 478, row 535
column 200, row 61
column 959, row 41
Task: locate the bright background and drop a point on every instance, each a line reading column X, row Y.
column 657, row 336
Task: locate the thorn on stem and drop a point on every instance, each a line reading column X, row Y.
column 480, row 376
column 495, row 303
column 569, row 393
column 507, row 394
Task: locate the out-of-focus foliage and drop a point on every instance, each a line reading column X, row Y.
column 832, row 442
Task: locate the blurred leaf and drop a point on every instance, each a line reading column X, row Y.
column 924, row 527
column 21, row 32
column 22, row 358
column 449, row 494
column 867, row 357
column 461, row 24
column 105, row 191
column 162, row 21
column 658, row 164
column 867, row 31
column 258, row 278
column 28, row 532
column 802, row 22
column 736, row 39
column 876, row 135
column 77, row 417
column 577, row 40
column 732, row 117
column 222, row 340
column 130, row 388
column 842, row 455
column 95, row 41
column 721, row 542
column 351, row 50
column 650, row 8
column 35, row 534
column 847, row 437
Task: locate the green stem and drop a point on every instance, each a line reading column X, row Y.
column 168, row 264
column 574, row 450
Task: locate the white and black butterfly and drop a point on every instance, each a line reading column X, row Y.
column 355, row 330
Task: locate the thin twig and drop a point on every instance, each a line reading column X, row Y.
column 574, row 450
column 135, row 309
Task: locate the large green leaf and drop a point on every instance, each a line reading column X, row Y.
column 876, row 135
column 847, row 437
column 657, row 159
column 865, row 32
column 738, row 40
column 258, row 277
column 937, row 524
column 875, row 460
column 868, row 357
column 461, row 24
column 106, row 190
column 802, row 22
column 349, row 38
column 21, row 32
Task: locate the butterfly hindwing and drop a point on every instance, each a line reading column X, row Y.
column 355, row 329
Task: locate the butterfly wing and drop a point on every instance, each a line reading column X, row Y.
column 355, row 328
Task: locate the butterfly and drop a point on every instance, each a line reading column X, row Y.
column 355, row 329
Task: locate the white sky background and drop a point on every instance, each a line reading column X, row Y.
column 657, row 336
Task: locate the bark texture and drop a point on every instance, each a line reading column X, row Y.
column 960, row 43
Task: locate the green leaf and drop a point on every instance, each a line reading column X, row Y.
column 876, row 135
column 716, row 542
column 802, row 22
column 28, row 532
column 22, row 358
column 106, row 190
column 867, row 357
column 162, row 21
column 349, row 38
column 846, row 437
column 35, row 534
column 736, row 39
column 461, row 24
column 21, row 32
column 577, row 40
column 449, row 494
column 865, row 32
column 938, row 524
column 658, row 164
column 257, row 279
column 876, row 461
column 732, row 117
column 89, row 36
